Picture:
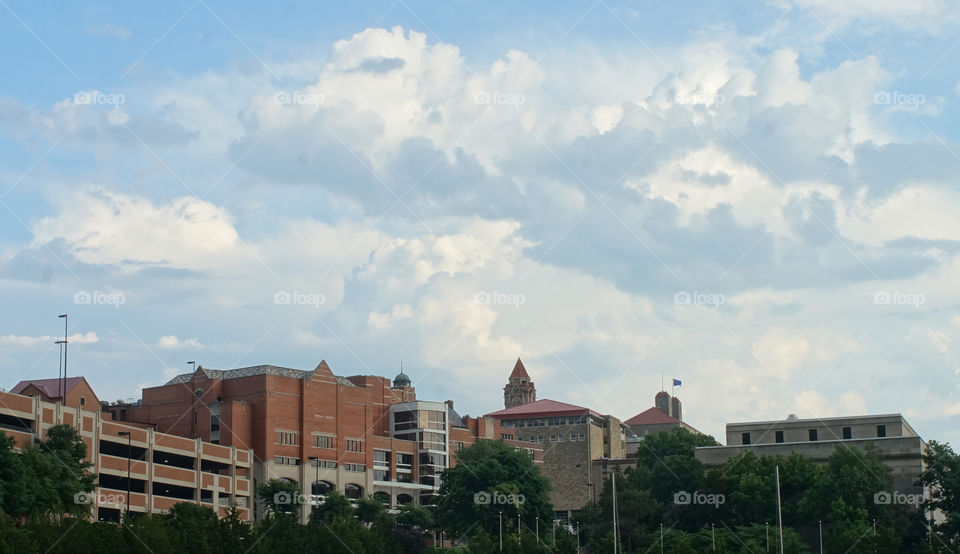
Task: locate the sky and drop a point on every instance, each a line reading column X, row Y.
column 756, row 198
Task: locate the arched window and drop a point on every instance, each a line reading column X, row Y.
column 382, row 497
column 404, row 499
column 321, row 487
column 83, row 401
column 198, row 393
column 353, row 490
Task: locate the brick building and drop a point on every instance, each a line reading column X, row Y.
column 78, row 391
column 359, row 435
column 572, row 438
column 163, row 469
column 664, row 416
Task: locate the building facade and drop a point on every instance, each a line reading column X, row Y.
column 163, row 469
column 572, row 438
column 360, row 435
column 895, row 440
column 664, row 416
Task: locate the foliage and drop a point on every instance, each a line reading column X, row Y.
column 280, row 497
column 942, row 476
column 491, row 478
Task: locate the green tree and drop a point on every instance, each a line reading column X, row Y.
column 56, row 477
column 942, row 478
column 492, row 477
column 280, row 497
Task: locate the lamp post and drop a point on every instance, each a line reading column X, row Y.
column 501, row 531
column 316, row 463
column 538, row 529
column 63, row 391
column 194, row 364
column 129, row 438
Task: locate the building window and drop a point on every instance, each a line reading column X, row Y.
column 847, row 433
column 582, row 437
column 560, row 438
column 812, row 434
column 83, row 401
column 504, row 436
column 214, row 423
column 354, row 445
column 286, row 460
column 283, row 437
column 553, row 438
column 778, row 436
column 881, row 430
column 324, row 441
column 324, row 464
column 745, row 438
column 198, row 393
column 460, row 445
column 540, row 438
column 358, row 468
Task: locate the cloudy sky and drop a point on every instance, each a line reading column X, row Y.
column 757, row 198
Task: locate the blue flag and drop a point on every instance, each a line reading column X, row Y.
column 676, row 382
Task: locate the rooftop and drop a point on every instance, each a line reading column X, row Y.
column 239, row 373
column 519, row 371
column 47, row 386
column 651, row 416
column 545, row 408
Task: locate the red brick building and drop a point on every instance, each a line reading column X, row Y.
column 78, row 394
column 360, row 435
column 163, row 469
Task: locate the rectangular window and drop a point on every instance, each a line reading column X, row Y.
column 745, row 438
column 460, row 445
column 214, row 423
column 881, row 430
column 847, row 433
column 287, row 437
column 354, row 445
column 324, row 464
column 358, row 468
column 778, row 436
column 582, row 437
column 324, row 441
column 286, row 460
column 540, row 438
column 504, row 436
column 553, row 438
column 381, row 475
column 559, row 438
column 813, row 434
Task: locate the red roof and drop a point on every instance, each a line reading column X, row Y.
column 519, row 371
column 544, row 407
column 47, row 386
column 652, row 416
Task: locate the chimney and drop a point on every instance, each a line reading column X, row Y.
column 450, row 404
column 676, row 408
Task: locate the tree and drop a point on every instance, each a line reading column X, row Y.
column 55, row 477
column 942, row 477
column 280, row 497
column 492, row 477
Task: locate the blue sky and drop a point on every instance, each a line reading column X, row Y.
column 757, row 198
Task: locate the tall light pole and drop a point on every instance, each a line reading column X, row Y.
column 538, row 529
column 63, row 391
column 713, row 537
column 501, row 531
column 194, row 364
column 820, row 528
column 129, row 438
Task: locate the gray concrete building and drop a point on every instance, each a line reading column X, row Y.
column 899, row 445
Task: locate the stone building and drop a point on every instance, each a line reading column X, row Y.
column 664, row 416
column 572, row 438
column 519, row 388
column 898, row 444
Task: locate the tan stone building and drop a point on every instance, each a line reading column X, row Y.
column 572, row 438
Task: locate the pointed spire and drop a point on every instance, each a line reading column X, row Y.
column 323, row 368
column 519, row 371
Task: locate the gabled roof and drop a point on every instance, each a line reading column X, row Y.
column 47, row 386
column 220, row 374
column 651, row 416
column 543, row 408
column 519, row 371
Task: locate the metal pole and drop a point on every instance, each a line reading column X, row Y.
column 661, row 538
column 767, row 526
column 538, row 529
column 713, row 537
column 519, row 538
column 613, row 486
column 501, row 531
column 820, row 528
column 65, row 348
column 779, row 512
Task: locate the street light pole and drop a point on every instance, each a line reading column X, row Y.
column 129, row 438
column 63, row 392
column 501, row 531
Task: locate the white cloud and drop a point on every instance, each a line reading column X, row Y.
column 171, row 342
column 20, row 341
column 108, row 29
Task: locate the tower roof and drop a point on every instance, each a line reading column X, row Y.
column 519, row 371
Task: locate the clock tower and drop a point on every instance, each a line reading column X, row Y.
column 519, row 388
